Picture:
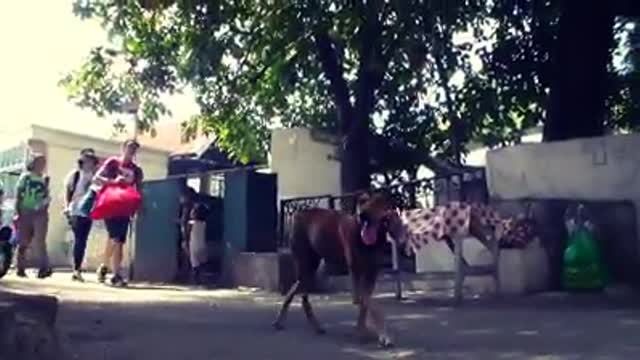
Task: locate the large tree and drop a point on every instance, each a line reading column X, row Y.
column 329, row 64
column 436, row 74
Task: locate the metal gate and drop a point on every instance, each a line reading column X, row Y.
column 154, row 246
column 463, row 186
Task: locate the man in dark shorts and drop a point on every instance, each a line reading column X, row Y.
column 118, row 170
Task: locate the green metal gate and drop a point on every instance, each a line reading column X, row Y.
column 154, row 245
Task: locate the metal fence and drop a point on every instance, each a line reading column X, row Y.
column 462, row 186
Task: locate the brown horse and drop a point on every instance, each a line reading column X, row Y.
column 341, row 238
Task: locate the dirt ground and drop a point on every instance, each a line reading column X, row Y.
column 178, row 323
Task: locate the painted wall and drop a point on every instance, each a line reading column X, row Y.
column 304, row 166
column 62, row 149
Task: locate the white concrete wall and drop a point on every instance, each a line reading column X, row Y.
column 603, row 168
column 304, row 166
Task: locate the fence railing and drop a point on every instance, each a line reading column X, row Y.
column 422, row 193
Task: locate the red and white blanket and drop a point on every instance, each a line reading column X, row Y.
column 452, row 221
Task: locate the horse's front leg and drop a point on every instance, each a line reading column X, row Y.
column 362, row 331
column 369, row 310
column 356, row 292
column 369, row 307
column 355, row 287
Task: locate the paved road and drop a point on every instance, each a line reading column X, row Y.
column 101, row 323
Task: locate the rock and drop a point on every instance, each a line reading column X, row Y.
column 7, row 324
column 42, row 307
column 27, row 327
column 32, row 339
column 7, row 316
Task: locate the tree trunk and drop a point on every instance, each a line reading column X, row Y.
column 412, row 190
column 578, row 91
column 353, row 120
column 577, row 99
column 355, row 173
column 354, row 117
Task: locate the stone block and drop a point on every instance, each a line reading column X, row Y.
column 7, row 325
column 25, row 334
column 41, row 307
column 268, row 271
column 524, row 271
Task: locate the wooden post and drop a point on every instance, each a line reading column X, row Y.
column 396, row 268
column 459, row 269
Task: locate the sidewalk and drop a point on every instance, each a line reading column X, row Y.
column 102, row 323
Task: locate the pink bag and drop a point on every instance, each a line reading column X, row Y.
column 116, row 201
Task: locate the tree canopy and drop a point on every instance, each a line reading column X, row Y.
column 430, row 75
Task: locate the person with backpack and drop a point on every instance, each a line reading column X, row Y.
column 1, row 203
column 32, row 215
column 76, row 185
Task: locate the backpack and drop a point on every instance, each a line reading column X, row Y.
column 74, row 184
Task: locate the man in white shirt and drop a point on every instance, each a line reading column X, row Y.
column 76, row 186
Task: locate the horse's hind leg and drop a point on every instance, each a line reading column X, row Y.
column 308, row 311
column 278, row 324
column 306, row 280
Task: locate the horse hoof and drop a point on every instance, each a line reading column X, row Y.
column 385, row 342
column 277, row 326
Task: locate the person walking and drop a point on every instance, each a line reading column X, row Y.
column 187, row 198
column 32, row 215
column 76, row 185
column 197, row 245
column 1, row 203
column 118, row 170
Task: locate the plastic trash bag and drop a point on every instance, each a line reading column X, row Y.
column 583, row 267
column 116, row 201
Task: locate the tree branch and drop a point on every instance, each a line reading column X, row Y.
column 373, row 63
column 442, row 53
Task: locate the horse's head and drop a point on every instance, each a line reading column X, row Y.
column 378, row 217
column 518, row 231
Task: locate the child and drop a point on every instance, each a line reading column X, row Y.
column 32, row 215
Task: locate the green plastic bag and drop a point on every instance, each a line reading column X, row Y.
column 583, row 266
